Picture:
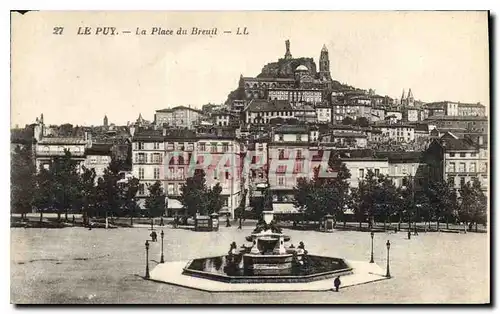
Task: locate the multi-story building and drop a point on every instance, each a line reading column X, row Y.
column 288, row 160
column 398, row 132
column 442, row 108
column 457, row 160
column 471, row 110
column 262, row 111
column 324, row 113
column 342, row 139
column 470, row 123
column 179, row 116
column 294, row 95
column 171, row 156
column 98, row 157
column 405, row 166
column 359, row 166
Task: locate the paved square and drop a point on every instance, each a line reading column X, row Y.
column 76, row 265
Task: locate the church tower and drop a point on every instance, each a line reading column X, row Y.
column 105, row 120
column 403, row 98
column 324, row 64
column 410, row 101
column 288, row 54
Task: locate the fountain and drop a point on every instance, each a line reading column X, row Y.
column 267, row 260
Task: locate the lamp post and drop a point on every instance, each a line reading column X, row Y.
column 147, row 260
column 162, row 260
column 388, row 273
column 372, row 234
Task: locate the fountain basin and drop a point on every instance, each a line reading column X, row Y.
column 230, row 270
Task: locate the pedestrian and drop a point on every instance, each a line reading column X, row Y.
column 161, row 221
column 228, row 224
column 73, row 219
column 153, row 236
column 337, row 283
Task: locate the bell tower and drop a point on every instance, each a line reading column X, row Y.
column 324, row 64
column 288, row 54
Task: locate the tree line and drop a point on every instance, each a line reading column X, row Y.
column 377, row 199
column 65, row 187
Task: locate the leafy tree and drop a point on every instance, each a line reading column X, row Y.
column 443, row 199
column 385, row 199
column 155, row 201
column 473, row 205
column 367, row 189
column 22, row 180
column 65, row 185
column 44, row 196
column 129, row 191
column 193, row 194
column 362, row 122
column 348, row 121
column 214, row 200
column 88, row 192
column 110, row 196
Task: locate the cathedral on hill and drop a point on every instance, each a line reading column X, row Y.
column 294, row 79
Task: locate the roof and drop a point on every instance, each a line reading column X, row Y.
column 269, row 79
column 63, row 140
column 348, row 134
column 99, row 149
column 301, row 68
column 178, row 108
column 400, row 157
column 450, row 143
column 294, row 129
column 261, row 105
column 458, row 118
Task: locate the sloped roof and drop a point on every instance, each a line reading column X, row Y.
column 261, row 105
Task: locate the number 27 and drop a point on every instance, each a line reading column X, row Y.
column 58, row 30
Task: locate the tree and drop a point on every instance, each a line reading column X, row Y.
column 443, row 199
column 193, row 194
column 385, row 199
column 214, row 200
column 110, row 192
column 155, row 201
column 65, row 185
column 44, row 196
column 367, row 189
column 22, row 180
column 348, row 121
column 362, row 122
column 129, row 190
column 473, row 205
column 88, row 192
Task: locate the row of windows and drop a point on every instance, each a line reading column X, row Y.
column 462, row 167
column 462, row 154
column 180, row 174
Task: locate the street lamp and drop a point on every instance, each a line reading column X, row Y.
column 388, row 273
column 372, row 234
column 147, row 258
column 161, row 258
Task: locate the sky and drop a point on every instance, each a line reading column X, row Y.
column 78, row 79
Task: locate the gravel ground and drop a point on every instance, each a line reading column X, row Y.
column 76, row 265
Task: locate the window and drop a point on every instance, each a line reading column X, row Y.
column 361, row 174
column 180, row 173
column 281, row 181
column 171, row 172
column 170, row 189
column 213, row 147
column 472, row 167
column 299, row 153
column 157, row 158
column 225, row 201
column 141, row 145
column 462, row 181
column 156, row 145
column 227, row 175
column 141, row 173
column 181, row 146
column 201, row 147
column 281, row 169
column 377, row 172
column 156, row 173
column 452, row 154
column 299, row 137
column 461, row 167
column 190, row 146
column 473, row 154
column 462, row 154
column 170, row 146
column 225, row 147
column 452, row 167
column 141, row 189
column 140, row 158
column 395, row 169
column 281, row 154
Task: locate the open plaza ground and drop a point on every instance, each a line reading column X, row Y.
column 77, row 265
